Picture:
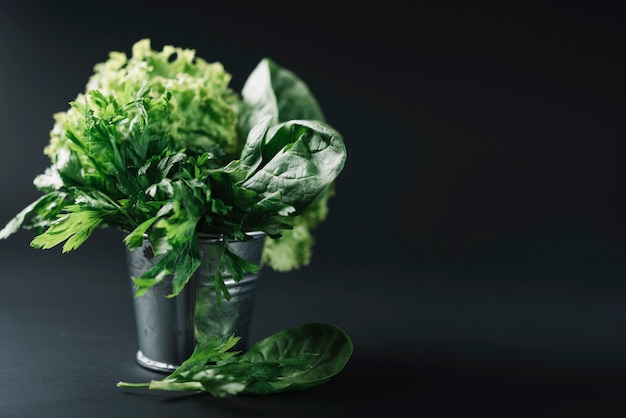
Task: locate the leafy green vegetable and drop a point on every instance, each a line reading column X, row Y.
column 159, row 146
column 295, row 359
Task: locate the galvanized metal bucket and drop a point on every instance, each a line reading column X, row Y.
column 168, row 329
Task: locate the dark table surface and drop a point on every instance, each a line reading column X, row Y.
column 426, row 344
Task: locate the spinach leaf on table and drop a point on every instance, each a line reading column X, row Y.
column 294, row 359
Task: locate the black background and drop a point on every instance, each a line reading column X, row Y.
column 477, row 235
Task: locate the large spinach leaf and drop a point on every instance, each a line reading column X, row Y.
column 327, row 348
column 300, row 159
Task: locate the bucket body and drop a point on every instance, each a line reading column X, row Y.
column 168, row 329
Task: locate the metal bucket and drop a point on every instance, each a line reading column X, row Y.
column 168, row 329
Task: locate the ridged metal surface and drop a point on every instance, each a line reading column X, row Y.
column 169, row 328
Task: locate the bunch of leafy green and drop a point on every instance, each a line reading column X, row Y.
column 295, row 359
column 161, row 147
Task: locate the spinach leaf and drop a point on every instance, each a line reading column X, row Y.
column 274, row 91
column 327, row 348
column 302, row 159
column 294, row 359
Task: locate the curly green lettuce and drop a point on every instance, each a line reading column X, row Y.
column 203, row 108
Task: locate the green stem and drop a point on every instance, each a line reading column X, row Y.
column 163, row 385
column 175, row 386
column 132, row 385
